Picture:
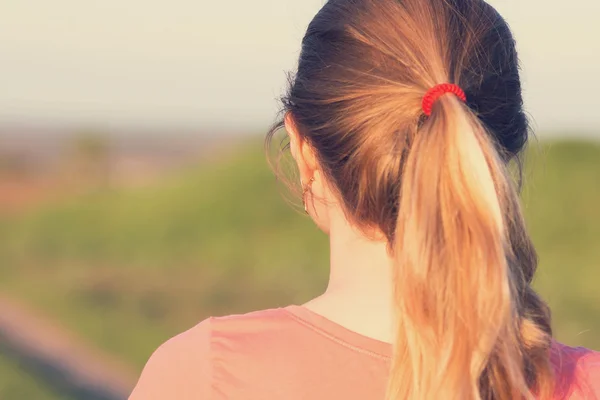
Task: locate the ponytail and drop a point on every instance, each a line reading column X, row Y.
column 469, row 325
column 458, row 301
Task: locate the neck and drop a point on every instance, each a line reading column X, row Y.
column 359, row 294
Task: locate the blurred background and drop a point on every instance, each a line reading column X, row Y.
column 135, row 199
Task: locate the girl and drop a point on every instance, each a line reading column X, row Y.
column 403, row 118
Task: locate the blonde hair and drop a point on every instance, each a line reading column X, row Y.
column 469, row 325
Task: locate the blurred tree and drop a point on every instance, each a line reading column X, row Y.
column 13, row 165
column 90, row 160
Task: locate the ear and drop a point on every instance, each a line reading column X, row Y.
column 301, row 150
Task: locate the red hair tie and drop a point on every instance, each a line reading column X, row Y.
column 438, row 91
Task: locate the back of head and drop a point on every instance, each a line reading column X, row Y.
column 437, row 187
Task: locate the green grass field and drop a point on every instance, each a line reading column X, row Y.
column 127, row 269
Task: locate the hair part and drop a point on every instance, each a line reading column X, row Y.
column 469, row 325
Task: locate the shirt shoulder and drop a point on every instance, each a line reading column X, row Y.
column 589, row 374
column 198, row 362
column 577, row 372
column 180, row 368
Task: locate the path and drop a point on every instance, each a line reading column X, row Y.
column 60, row 357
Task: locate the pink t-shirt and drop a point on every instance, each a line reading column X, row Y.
column 292, row 353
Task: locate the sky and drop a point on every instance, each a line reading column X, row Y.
column 214, row 63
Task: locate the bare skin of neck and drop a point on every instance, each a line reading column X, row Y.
column 359, row 294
